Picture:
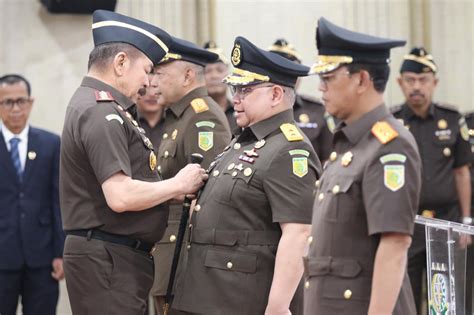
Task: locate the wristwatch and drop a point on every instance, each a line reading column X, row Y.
column 467, row 220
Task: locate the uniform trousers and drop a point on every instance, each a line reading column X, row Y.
column 39, row 291
column 105, row 278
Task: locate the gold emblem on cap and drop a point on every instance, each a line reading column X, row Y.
column 236, row 55
column 333, row 156
column 447, row 152
column 174, row 134
column 32, row 155
column 152, row 160
column 442, row 124
column 248, row 171
column 259, row 144
column 347, row 158
column 304, row 118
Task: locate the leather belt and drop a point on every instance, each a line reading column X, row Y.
column 231, row 238
column 113, row 238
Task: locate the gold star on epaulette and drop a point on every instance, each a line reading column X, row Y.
column 384, row 132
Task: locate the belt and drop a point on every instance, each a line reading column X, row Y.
column 113, row 238
column 231, row 238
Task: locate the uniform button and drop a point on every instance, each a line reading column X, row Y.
column 333, row 156
column 236, row 146
column 190, row 226
column 347, row 294
column 165, row 135
column 173, row 238
column 166, row 154
column 231, row 166
column 159, row 168
column 447, row 152
column 188, row 247
column 306, row 285
column 310, row 240
column 215, row 173
column 234, row 173
column 336, row 189
column 317, row 183
column 321, row 197
column 230, row 265
column 197, row 207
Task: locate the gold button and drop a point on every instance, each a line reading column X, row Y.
column 159, row 168
column 230, row 265
column 165, row 135
column 166, row 154
column 333, row 156
column 336, row 189
column 231, row 166
column 189, row 246
column 215, row 173
column 234, row 173
column 317, row 183
column 447, row 151
column 197, row 207
column 173, row 238
column 347, row 294
column 306, row 285
column 248, row 171
column 236, row 146
column 310, row 240
column 321, row 197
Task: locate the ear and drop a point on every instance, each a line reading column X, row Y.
column 399, row 81
column 277, row 95
column 120, row 63
column 189, row 76
column 364, row 81
column 436, row 80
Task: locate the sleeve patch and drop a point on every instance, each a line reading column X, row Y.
column 394, row 176
column 199, row 105
column 384, row 132
column 299, row 152
column 291, row 132
column 205, row 123
column 205, row 140
column 114, row 117
column 300, row 166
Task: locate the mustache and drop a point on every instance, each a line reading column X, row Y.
column 417, row 93
column 142, row 91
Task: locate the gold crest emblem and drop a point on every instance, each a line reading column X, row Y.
column 206, row 140
column 236, row 55
column 304, row 118
column 300, row 166
column 442, row 124
column 394, row 177
column 152, row 160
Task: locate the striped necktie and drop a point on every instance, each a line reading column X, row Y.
column 15, row 156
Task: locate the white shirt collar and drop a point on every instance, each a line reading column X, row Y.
column 8, row 135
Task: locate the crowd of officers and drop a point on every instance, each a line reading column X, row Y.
column 283, row 177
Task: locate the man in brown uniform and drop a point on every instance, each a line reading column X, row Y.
column 112, row 197
column 194, row 123
column 214, row 73
column 442, row 137
column 310, row 114
column 367, row 198
column 249, row 227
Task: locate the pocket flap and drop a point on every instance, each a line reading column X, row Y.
column 344, row 268
column 231, row 261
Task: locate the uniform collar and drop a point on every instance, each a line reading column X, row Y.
column 179, row 107
column 409, row 114
column 96, row 84
column 8, row 135
column 357, row 129
column 263, row 128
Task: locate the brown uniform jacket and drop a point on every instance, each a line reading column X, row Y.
column 367, row 188
column 316, row 123
column 261, row 179
column 195, row 124
column 101, row 138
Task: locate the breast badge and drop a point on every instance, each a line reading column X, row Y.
column 152, row 161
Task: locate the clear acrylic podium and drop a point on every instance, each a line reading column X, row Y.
column 446, row 265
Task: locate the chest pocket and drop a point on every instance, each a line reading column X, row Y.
column 231, row 185
column 341, row 199
column 443, row 149
column 167, row 149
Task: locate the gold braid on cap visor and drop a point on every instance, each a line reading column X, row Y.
column 285, row 50
column 329, row 63
column 170, row 57
column 425, row 60
column 244, row 77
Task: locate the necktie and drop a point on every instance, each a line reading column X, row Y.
column 15, row 156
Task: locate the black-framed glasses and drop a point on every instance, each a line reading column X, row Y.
column 10, row 103
column 325, row 79
column 242, row 91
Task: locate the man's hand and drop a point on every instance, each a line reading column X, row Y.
column 58, row 271
column 191, row 178
column 276, row 312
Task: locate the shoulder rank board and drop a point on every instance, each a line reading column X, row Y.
column 291, row 132
column 199, row 105
column 103, row 96
column 384, row 132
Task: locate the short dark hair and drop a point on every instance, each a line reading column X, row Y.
column 10, row 79
column 378, row 73
column 103, row 54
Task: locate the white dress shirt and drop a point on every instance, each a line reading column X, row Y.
column 22, row 145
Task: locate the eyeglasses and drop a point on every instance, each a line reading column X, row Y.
column 411, row 80
column 242, row 91
column 10, row 103
column 324, row 79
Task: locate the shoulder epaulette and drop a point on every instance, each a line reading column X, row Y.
column 447, row 106
column 311, row 99
column 103, row 96
column 291, row 132
column 199, row 105
column 384, row 132
column 396, row 109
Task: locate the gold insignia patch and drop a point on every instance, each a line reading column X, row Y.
column 442, row 124
column 206, row 140
column 304, row 118
column 236, row 55
column 199, row 105
column 384, row 132
column 394, row 176
column 291, row 132
column 300, row 166
column 152, row 160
